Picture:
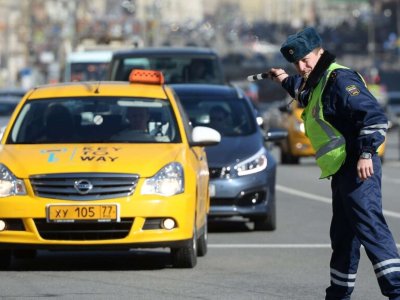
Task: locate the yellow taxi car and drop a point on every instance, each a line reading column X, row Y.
column 297, row 144
column 81, row 169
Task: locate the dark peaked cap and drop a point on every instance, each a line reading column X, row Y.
column 300, row 44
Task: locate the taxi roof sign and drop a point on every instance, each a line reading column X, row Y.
column 146, row 76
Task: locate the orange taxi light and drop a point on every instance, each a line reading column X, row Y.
column 146, row 76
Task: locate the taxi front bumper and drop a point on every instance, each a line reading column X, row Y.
column 140, row 224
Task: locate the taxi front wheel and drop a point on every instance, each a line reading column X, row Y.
column 5, row 259
column 288, row 159
column 185, row 257
column 202, row 241
column 25, row 253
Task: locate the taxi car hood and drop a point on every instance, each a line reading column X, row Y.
column 142, row 159
column 233, row 149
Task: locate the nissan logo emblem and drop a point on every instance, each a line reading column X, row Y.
column 83, row 186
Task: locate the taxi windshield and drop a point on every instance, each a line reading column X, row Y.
column 95, row 120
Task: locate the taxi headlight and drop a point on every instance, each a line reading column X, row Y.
column 9, row 184
column 253, row 164
column 167, row 182
column 299, row 126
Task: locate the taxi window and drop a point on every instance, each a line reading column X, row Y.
column 95, row 120
column 88, row 71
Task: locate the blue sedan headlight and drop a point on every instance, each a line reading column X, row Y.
column 254, row 164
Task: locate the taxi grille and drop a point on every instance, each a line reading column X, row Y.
column 84, row 186
column 84, row 231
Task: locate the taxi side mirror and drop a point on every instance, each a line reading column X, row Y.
column 204, row 136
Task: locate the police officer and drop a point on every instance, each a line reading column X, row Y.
column 345, row 125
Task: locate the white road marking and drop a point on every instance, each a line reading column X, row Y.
column 323, row 199
column 391, row 180
column 276, row 246
column 302, row 194
column 273, row 246
column 390, row 213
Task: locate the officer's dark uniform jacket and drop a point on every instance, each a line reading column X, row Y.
column 347, row 105
column 357, row 209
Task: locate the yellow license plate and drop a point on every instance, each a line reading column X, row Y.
column 72, row 213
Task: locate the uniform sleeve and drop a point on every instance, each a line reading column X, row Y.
column 291, row 84
column 364, row 111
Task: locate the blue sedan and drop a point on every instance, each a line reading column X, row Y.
column 242, row 171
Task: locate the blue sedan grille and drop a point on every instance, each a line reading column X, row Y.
column 215, row 172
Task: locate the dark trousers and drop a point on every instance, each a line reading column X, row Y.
column 358, row 220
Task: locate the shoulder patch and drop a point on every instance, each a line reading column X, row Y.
column 352, row 90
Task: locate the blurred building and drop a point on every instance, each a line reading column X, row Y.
column 13, row 36
column 296, row 12
column 36, row 35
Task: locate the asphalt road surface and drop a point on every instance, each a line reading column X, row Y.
column 289, row 263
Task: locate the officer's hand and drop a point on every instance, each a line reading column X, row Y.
column 278, row 75
column 365, row 168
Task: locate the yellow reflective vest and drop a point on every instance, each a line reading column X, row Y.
column 328, row 143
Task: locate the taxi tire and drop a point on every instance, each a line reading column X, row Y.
column 288, row 159
column 202, row 241
column 25, row 253
column 185, row 257
column 5, row 259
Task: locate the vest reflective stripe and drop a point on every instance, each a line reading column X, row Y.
column 328, row 142
column 333, row 144
column 335, row 141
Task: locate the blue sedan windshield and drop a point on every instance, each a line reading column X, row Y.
column 231, row 117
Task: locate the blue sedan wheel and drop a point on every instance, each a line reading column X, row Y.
column 267, row 222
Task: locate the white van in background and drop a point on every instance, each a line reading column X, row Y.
column 87, row 65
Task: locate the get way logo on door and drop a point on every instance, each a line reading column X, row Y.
column 98, row 154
